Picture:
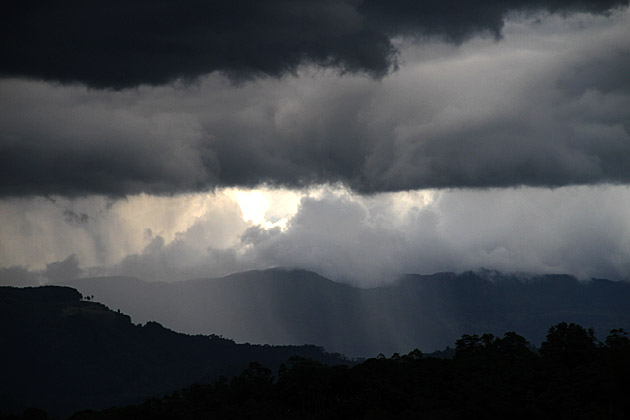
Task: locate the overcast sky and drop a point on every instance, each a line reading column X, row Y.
column 359, row 139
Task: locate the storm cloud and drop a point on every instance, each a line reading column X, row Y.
column 358, row 139
column 548, row 105
column 119, row 44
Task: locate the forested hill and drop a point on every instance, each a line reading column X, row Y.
column 428, row 312
column 571, row 376
column 63, row 353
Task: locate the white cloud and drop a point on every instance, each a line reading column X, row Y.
column 364, row 240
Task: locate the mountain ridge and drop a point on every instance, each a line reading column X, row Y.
column 285, row 306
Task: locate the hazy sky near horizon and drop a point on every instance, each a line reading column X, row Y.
column 358, row 139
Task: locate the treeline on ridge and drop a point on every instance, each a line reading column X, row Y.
column 571, row 376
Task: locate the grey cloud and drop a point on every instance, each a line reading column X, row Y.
column 179, row 260
column 75, row 218
column 35, row 231
column 119, row 44
column 55, row 272
column 76, row 146
column 18, row 276
column 608, row 73
column 455, row 20
column 257, row 234
column 208, row 242
column 546, row 106
column 60, row 271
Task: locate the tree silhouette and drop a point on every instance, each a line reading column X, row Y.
column 617, row 338
column 569, row 344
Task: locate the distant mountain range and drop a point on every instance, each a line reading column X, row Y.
column 429, row 312
column 62, row 353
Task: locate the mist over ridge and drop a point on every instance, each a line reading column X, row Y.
column 283, row 306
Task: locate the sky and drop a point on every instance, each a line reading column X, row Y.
column 358, row 139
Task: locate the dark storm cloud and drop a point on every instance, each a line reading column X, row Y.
column 456, row 20
column 548, row 105
column 126, row 43
column 73, row 145
column 118, row 44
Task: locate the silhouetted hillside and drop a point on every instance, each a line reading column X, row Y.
column 420, row 311
column 571, row 376
column 62, row 353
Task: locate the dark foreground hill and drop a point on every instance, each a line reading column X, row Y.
column 62, row 353
column 419, row 311
column 571, row 376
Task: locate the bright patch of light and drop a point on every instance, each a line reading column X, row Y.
column 253, row 204
column 265, row 207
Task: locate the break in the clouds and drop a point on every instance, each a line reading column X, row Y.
column 369, row 241
column 119, row 44
column 366, row 241
column 548, row 104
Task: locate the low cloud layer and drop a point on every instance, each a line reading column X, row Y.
column 56, row 272
column 581, row 231
column 119, row 44
column 547, row 105
column 350, row 238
